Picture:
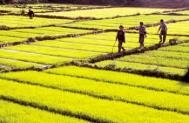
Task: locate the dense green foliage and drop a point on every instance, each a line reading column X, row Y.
column 103, row 110
column 127, row 22
column 109, row 12
column 21, row 21
column 170, row 61
column 39, row 82
column 28, row 114
column 101, row 89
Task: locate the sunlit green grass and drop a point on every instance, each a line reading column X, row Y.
column 140, row 66
column 20, row 35
column 123, row 78
column 127, row 22
column 183, row 12
column 32, row 57
column 103, row 110
column 101, row 89
column 22, row 21
column 155, row 60
column 178, row 48
column 16, row 64
column 173, row 60
column 97, row 94
column 108, row 12
column 174, row 28
column 45, row 7
column 15, row 113
column 101, row 43
column 55, row 51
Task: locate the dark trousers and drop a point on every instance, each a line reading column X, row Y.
column 162, row 36
column 141, row 40
column 120, row 46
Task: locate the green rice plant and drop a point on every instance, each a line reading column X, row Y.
column 80, row 47
column 16, row 34
column 183, row 48
column 16, row 64
column 75, row 44
column 14, row 113
column 174, row 28
column 155, row 60
column 98, row 109
column 32, row 57
column 108, row 12
column 170, row 54
column 52, row 31
column 16, row 10
column 183, row 12
column 50, row 51
column 88, row 44
column 103, row 89
column 101, row 43
column 42, row 8
column 22, row 21
column 8, row 39
column 127, row 22
column 23, row 34
column 172, row 60
column 123, row 78
column 140, row 66
column 184, row 44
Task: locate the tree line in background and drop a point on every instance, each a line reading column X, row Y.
column 100, row 2
column 21, row 1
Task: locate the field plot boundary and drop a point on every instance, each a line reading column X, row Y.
column 4, row 27
column 94, row 18
column 79, row 88
column 98, row 96
column 150, row 73
column 111, row 82
column 111, row 56
column 52, row 110
column 44, row 38
column 93, row 31
column 113, row 17
column 79, row 7
column 130, row 28
column 131, row 52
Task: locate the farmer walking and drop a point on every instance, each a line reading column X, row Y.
column 142, row 34
column 120, row 38
column 163, row 31
column 30, row 13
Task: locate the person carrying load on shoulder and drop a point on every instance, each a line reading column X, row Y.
column 120, row 38
column 142, row 34
column 30, row 13
column 163, row 31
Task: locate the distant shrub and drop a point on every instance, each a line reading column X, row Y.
column 3, row 27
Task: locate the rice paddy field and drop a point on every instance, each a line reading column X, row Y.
column 128, row 22
column 62, row 66
column 109, row 12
